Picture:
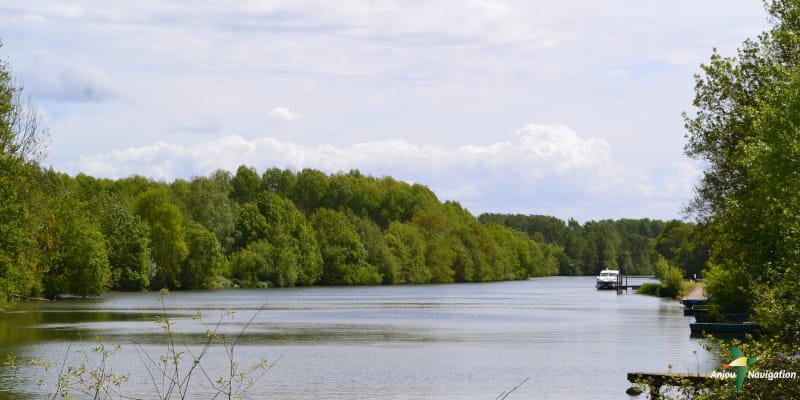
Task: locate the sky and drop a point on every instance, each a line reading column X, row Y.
column 570, row 108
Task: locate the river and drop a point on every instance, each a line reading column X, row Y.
column 458, row 341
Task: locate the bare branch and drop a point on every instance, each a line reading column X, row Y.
column 27, row 138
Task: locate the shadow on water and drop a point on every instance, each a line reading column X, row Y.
column 33, row 326
column 15, row 396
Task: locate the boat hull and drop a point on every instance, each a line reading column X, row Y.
column 607, row 285
column 699, row 329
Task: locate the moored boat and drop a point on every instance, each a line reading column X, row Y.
column 698, row 329
column 607, row 279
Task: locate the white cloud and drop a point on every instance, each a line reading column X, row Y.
column 447, row 80
column 283, row 113
column 541, row 166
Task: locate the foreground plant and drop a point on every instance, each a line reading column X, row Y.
column 176, row 373
column 169, row 380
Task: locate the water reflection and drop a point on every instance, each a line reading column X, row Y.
column 443, row 342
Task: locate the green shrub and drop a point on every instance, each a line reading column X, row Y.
column 650, row 289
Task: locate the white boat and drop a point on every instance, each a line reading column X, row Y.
column 607, row 279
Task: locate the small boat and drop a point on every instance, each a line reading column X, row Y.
column 733, row 318
column 694, row 301
column 698, row 329
column 607, row 279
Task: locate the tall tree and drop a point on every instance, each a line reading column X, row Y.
column 210, row 205
column 127, row 241
column 407, row 245
column 245, row 184
column 278, row 181
column 168, row 248
column 75, row 252
column 23, row 140
column 251, row 226
column 309, row 190
column 745, row 130
column 343, row 254
column 292, row 238
column 204, row 260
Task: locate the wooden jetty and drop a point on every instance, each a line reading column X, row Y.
column 623, row 286
column 655, row 380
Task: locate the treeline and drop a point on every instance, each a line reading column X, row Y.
column 633, row 246
column 279, row 228
column 285, row 228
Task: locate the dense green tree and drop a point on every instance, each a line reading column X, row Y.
column 204, row 261
column 508, row 257
column 552, row 259
column 440, row 228
column 377, row 255
column 744, row 132
column 292, row 236
column 245, row 185
column 127, row 242
column 685, row 246
column 75, row 251
column 167, row 245
column 283, row 261
column 309, row 190
column 673, row 240
column 246, row 267
column 209, row 204
column 129, row 189
column 627, row 244
column 763, row 228
column 343, row 254
column 250, row 226
column 12, row 227
column 180, row 195
column 398, row 201
column 351, row 191
column 407, row 245
column 552, row 229
column 278, row 181
column 22, row 143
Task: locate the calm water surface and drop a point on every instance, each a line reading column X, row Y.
column 466, row 341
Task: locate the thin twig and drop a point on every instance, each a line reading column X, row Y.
column 140, row 350
column 504, row 395
column 61, row 370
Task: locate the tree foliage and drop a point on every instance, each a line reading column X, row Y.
column 23, row 140
column 625, row 244
column 128, row 243
column 74, row 251
column 168, row 246
column 204, row 259
column 745, row 130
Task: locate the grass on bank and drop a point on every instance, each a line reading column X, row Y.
column 672, row 283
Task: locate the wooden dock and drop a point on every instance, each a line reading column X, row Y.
column 622, row 284
column 655, row 380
